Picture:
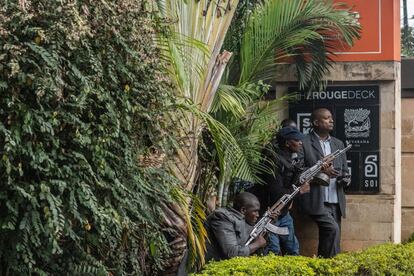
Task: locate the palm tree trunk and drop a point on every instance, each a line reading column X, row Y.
column 197, row 76
column 184, row 167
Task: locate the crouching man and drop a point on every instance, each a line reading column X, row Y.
column 228, row 229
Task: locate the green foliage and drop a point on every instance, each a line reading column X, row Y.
column 385, row 259
column 233, row 40
column 410, row 238
column 252, row 123
column 80, row 86
column 278, row 30
column 269, row 265
column 407, row 42
column 263, row 35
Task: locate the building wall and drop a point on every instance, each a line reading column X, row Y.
column 371, row 219
column 380, row 34
column 407, row 168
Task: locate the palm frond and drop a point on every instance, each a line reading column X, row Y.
column 184, row 66
column 235, row 99
column 227, row 148
column 202, row 24
column 257, row 128
column 196, row 70
column 194, row 216
column 198, row 239
column 281, row 29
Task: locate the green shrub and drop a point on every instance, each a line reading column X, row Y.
column 267, row 265
column 410, row 238
column 81, row 96
column 385, row 259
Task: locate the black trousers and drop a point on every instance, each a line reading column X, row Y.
column 329, row 225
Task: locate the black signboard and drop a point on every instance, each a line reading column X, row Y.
column 356, row 114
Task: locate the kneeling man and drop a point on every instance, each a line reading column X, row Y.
column 228, row 229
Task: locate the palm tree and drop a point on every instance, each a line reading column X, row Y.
column 276, row 30
column 197, row 31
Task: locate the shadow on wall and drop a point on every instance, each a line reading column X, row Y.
column 407, row 80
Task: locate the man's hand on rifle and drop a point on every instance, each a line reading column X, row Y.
column 304, row 188
column 273, row 214
column 329, row 170
column 261, row 241
column 257, row 243
column 344, row 179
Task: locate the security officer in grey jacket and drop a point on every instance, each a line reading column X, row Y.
column 325, row 205
column 228, row 229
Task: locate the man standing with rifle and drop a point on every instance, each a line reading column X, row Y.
column 325, row 204
column 284, row 170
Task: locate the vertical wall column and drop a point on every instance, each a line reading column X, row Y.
column 407, row 167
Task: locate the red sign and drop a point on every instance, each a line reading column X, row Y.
column 380, row 35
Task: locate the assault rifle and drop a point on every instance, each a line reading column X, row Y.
column 265, row 223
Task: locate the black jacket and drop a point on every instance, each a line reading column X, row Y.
column 284, row 171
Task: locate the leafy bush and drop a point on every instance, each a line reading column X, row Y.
column 82, row 93
column 410, row 238
column 407, row 42
column 385, row 259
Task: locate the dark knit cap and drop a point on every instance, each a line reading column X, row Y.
column 290, row 133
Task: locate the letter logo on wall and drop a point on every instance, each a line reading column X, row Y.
column 371, row 166
column 357, row 123
column 303, row 120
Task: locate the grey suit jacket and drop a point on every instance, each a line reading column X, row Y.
column 227, row 233
column 313, row 203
